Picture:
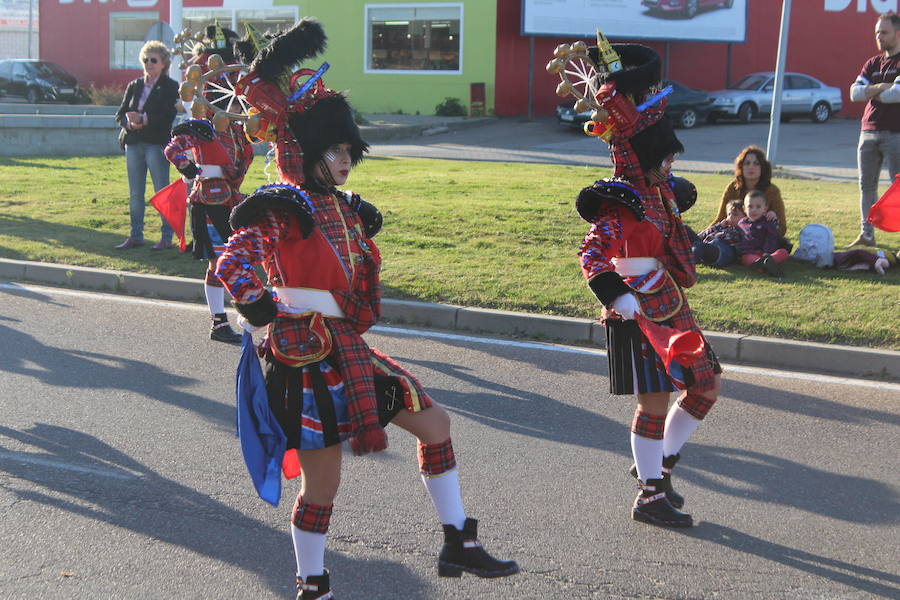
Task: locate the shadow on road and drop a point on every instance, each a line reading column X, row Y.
column 91, row 370
column 872, row 581
column 771, row 479
column 136, row 498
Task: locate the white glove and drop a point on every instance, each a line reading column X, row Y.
column 247, row 325
column 626, row 306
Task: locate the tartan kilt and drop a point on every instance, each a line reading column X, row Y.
column 210, row 229
column 311, row 402
column 635, row 368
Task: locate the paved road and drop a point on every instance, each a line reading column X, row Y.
column 826, row 151
column 120, row 476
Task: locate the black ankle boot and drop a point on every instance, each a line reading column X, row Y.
column 652, row 506
column 221, row 331
column 675, row 499
column 463, row 552
column 316, row 587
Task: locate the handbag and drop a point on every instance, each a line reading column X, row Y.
column 122, row 134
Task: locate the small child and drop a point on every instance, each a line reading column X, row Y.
column 717, row 245
column 759, row 248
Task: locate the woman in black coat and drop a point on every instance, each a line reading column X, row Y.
column 146, row 116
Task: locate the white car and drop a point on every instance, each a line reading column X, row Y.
column 751, row 96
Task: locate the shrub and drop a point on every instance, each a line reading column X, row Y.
column 450, row 107
column 359, row 118
column 106, row 95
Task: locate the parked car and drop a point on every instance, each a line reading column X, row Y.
column 751, row 96
column 686, row 107
column 38, row 81
column 688, row 8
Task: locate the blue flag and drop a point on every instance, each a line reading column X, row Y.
column 262, row 440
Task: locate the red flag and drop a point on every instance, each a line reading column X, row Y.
column 885, row 214
column 684, row 347
column 171, row 202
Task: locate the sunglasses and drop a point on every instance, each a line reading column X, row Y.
column 150, row 60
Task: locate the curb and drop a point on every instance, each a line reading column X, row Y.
column 388, row 131
column 735, row 348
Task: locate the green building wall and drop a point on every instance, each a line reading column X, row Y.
column 344, row 23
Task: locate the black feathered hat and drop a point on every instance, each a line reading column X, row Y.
column 641, row 68
column 655, row 143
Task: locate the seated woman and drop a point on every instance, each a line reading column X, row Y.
column 752, row 171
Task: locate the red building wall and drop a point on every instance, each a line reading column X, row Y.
column 75, row 34
column 831, row 45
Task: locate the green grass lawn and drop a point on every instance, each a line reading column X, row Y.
column 497, row 235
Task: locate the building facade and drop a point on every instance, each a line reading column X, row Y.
column 829, row 39
column 409, row 55
column 401, row 56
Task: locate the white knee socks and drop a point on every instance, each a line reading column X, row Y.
column 446, row 497
column 309, row 548
column 647, row 456
column 679, row 427
column 215, row 298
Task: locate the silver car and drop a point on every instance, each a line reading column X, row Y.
column 802, row 96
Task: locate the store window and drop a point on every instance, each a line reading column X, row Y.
column 420, row 38
column 263, row 19
column 127, row 31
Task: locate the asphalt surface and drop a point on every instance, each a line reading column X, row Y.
column 120, row 476
column 819, row 151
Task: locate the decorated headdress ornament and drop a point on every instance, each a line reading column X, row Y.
column 583, row 69
column 294, row 102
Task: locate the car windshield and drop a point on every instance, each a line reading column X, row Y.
column 749, row 82
column 46, row 68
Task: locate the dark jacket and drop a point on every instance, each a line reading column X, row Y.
column 160, row 109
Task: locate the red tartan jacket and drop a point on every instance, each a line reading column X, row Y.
column 336, row 257
column 230, row 150
column 661, row 234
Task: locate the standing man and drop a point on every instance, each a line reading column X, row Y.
column 879, row 138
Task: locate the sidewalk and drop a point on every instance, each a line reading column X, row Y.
column 732, row 348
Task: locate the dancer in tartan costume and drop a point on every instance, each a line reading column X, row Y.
column 214, row 163
column 324, row 383
column 637, row 259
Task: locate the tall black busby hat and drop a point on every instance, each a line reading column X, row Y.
column 640, row 71
column 655, row 143
column 329, row 121
column 217, row 40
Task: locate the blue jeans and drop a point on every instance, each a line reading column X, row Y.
column 874, row 147
column 138, row 158
column 726, row 253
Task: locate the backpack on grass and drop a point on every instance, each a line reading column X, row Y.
column 816, row 245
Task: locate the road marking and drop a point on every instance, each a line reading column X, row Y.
column 795, row 375
column 58, row 464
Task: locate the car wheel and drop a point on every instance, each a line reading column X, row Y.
column 690, row 8
column 32, row 96
column 688, row 118
column 746, row 112
column 821, row 112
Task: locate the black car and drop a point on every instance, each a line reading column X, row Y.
column 38, row 81
column 686, row 106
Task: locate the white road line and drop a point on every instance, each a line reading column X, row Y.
column 58, row 464
column 795, row 375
